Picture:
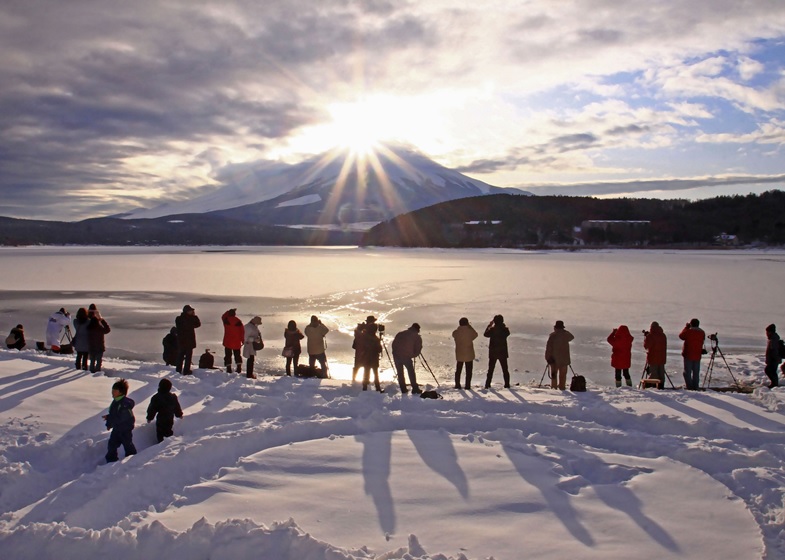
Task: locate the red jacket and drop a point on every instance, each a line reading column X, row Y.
column 234, row 331
column 656, row 345
column 693, row 338
column 621, row 342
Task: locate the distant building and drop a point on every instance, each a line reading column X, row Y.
column 726, row 239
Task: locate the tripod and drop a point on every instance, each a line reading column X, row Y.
column 384, row 345
column 646, row 371
column 425, row 363
column 715, row 349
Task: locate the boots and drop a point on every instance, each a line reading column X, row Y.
column 239, row 367
column 250, row 374
column 618, row 382
column 628, row 381
column 229, row 368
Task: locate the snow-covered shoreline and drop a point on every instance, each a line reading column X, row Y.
column 285, row 468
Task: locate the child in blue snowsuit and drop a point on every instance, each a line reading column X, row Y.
column 121, row 421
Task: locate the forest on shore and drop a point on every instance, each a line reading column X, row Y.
column 526, row 221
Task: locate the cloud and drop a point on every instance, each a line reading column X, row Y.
column 110, row 106
column 620, row 188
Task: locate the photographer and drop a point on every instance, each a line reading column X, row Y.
column 773, row 356
column 368, row 352
column 656, row 345
column 557, row 354
column 356, row 343
column 315, row 332
column 464, row 337
column 692, row 350
column 620, row 340
column 97, row 329
column 497, row 332
column 406, row 346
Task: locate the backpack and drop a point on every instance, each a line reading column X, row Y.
column 430, row 395
column 578, row 384
column 781, row 349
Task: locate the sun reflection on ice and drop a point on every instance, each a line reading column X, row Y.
column 343, row 372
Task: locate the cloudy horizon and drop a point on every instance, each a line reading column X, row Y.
column 115, row 106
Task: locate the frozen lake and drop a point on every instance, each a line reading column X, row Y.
column 141, row 290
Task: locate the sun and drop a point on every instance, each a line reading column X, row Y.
column 359, row 127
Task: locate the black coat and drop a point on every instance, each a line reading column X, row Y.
column 170, row 348
column 497, row 345
column 166, row 405
column 186, row 330
column 96, row 330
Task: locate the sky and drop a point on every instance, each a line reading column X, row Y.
column 106, row 107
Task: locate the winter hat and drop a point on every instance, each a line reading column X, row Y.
column 415, row 326
column 92, row 307
column 187, row 308
column 771, row 328
column 370, row 319
column 257, row 320
column 165, row 385
column 695, row 323
column 20, row 327
column 559, row 325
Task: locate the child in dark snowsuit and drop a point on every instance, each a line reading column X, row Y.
column 121, row 421
column 166, row 405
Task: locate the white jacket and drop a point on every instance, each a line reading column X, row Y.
column 54, row 328
column 252, row 333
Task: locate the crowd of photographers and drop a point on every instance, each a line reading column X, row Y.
column 242, row 342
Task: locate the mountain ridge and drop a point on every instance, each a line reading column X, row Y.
column 336, row 188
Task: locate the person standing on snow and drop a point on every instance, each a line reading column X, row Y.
column 234, row 335
column 406, row 346
column 54, row 328
column 620, row 340
column 81, row 338
column 170, row 347
column 694, row 338
column 97, row 329
column 369, row 348
column 187, row 323
column 291, row 346
column 497, row 333
column 464, row 337
column 315, row 331
column 557, row 354
column 773, row 357
column 252, row 335
column 656, row 345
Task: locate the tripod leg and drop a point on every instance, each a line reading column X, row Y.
column 547, row 366
column 735, row 381
column 643, row 373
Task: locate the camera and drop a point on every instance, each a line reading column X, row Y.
column 380, row 327
column 713, row 337
column 645, row 332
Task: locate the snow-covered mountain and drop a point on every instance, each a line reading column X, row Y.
column 336, row 188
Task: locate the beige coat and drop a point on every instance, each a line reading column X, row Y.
column 464, row 343
column 557, row 350
column 315, row 334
